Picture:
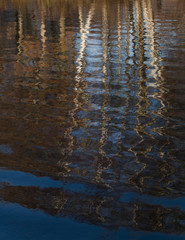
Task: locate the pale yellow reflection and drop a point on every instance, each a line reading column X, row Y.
column 143, row 101
column 62, row 33
column 68, row 150
column 104, row 161
column 84, row 30
column 20, row 34
column 119, row 27
column 43, row 38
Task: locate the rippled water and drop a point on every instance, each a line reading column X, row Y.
column 92, row 119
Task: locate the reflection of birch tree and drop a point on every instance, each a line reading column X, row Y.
column 103, row 161
column 84, row 30
column 157, row 84
column 43, row 37
column 20, row 36
column 143, row 101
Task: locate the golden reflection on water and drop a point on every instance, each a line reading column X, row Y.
column 88, row 95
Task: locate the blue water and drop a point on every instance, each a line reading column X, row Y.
column 21, row 223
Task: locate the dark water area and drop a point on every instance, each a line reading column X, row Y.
column 92, row 119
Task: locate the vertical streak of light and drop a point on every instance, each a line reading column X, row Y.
column 62, row 32
column 84, row 30
column 119, row 28
column 67, row 151
column 104, row 162
column 156, row 74
column 20, row 34
column 128, row 66
column 43, row 38
column 119, row 39
column 129, row 25
column 147, row 13
column 142, row 90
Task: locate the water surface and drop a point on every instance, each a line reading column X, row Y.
column 92, row 119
